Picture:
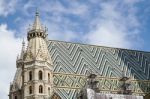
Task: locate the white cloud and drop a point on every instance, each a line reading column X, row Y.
column 7, row 7
column 108, row 37
column 74, row 7
column 116, row 25
column 58, row 25
column 58, row 32
column 9, row 48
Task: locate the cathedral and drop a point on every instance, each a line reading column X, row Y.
column 51, row 69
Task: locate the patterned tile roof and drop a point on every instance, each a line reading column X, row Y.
column 73, row 62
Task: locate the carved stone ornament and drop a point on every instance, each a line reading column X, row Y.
column 28, row 56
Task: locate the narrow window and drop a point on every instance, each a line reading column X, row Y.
column 30, row 75
column 15, row 97
column 48, row 77
column 40, row 89
column 48, row 90
column 40, row 75
column 30, row 89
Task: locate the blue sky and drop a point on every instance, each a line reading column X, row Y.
column 114, row 23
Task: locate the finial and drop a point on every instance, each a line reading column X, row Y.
column 37, row 12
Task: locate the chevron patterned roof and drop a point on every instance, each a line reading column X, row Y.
column 73, row 62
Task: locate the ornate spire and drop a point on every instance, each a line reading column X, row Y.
column 20, row 58
column 37, row 24
column 37, row 45
column 37, row 29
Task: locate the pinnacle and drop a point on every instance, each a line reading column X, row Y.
column 37, row 30
column 23, row 49
column 37, row 24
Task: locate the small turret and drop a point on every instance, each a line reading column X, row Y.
column 23, row 50
column 20, row 58
column 37, row 30
column 37, row 45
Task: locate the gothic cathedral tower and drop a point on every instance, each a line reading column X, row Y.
column 34, row 66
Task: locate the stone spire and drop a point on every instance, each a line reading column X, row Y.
column 37, row 28
column 37, row 24
column 23, row 49
column 20, row 58
column 37, row 46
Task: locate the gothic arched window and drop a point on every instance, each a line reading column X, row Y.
column 30, row 75
column 40, row 75
column 48, row 77
column 40, row 89
column 30, row 89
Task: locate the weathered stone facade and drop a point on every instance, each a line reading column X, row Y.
column 34, row 67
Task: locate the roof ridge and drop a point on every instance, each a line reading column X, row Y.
column 80, row 43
